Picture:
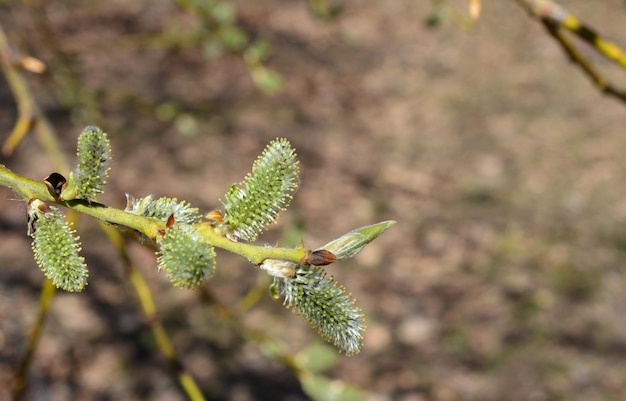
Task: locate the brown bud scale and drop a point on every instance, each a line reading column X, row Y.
column 321, row 257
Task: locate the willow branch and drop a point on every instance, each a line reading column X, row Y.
column 555, row 18
column 30, row 189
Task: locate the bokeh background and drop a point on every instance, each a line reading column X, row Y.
column 504, row 167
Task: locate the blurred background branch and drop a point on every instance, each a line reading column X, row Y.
column 556, row 19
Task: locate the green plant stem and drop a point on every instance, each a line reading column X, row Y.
column 30, row 189
column 23, row 186
column 254, row 253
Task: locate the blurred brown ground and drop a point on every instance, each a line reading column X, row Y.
column 504, row 167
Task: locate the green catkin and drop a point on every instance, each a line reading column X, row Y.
column 163, row 208
column 56, row 248
column 256, row 202
column 94, row 157
column 326, row 307
column 186, row 256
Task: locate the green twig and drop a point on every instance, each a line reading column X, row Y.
column 30, row 189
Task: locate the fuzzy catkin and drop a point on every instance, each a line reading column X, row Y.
column 326, row 306
column 186, row 256
column 94, row 157
column 56, row 248
column 256, row 202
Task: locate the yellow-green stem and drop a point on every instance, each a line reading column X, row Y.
column 30, row 189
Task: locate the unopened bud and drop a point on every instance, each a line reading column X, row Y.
column 279, row 268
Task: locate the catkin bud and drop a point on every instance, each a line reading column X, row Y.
column 279, row 268
column 349, row 244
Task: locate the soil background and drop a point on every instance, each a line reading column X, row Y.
column 502, row 164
